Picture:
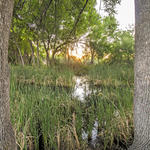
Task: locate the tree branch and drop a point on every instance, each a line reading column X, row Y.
column 73, row 29
column 45, row 11
column 78, row 18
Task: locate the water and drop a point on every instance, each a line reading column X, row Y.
column 81, row 91
column 93, row 141
column 85, row 92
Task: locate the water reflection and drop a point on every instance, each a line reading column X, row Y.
column 81, row 89
column 93, row 135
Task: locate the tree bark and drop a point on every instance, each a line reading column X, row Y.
column 53, row 56
column 32, row 50
column 47, row 53
column 38, row 53
column 92, row 56
column 68, row 55
column 142, row 76
column 7, row 138
column 22, row 61
column 47, row 58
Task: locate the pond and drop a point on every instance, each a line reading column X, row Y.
column 82, row 90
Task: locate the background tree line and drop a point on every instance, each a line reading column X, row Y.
column 43, row 29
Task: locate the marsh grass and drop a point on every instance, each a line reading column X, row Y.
column 114, row 103
column 45, row 116
column 52, row 76
column 112, row 75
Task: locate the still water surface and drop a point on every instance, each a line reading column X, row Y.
column 81, row 91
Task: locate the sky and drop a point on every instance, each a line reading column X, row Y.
column 125, row 15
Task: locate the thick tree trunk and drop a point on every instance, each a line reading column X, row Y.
column 142, row 77
column 7, row 138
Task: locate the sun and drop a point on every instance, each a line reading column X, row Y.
column 78, row 51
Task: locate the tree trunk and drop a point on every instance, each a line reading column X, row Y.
column 32, row 50
column 65, row 55
column 22, row 61
column 68, row 56
column 53, row 56
column 142, row 76
column 7, row 138
column 92, row 56
column 38, row 53
column 47, row 58
column 47, row 53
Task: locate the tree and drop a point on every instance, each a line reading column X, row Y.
column 102, row 36
column 110, row 6
column 142, row 76
column 55, row 23
column 7, row 138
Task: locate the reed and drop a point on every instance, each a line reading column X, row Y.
column 46, row 116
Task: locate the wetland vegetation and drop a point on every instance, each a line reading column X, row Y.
column 47, row 115
column 71, row 76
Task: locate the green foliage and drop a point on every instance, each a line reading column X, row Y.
column 106, row 39
column 52, row 23
column 56, row 24
column 102, row 35
column 123, row 47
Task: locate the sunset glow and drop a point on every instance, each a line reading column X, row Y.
column 78, row 51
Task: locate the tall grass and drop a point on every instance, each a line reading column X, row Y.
column 46, row 116
column 114, row 103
